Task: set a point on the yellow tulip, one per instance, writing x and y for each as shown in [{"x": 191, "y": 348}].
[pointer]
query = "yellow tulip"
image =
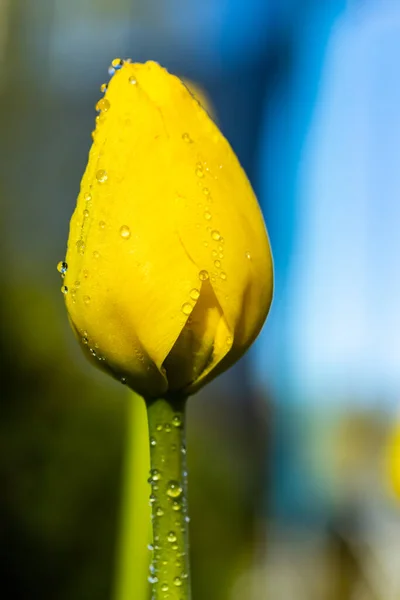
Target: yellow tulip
[{"x": 169, "y": 276}]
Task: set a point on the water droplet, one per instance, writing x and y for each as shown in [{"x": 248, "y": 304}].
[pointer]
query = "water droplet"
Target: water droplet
[
  {"x": 177, "y": 581},
  {"x": 229, "y": 340},
  {"x": 159, "y": 512},
  {"x": 155, "y": 474},
  {"x": 187, "y": 519},
  {"x": 215, "y": 235},
  {"x": 102, "y": 224},
  {"x": 203, "y": 275},
  {"x": 176, "y": 420},
  {"x": 125, "y": 232},
  {"x": 80, "y": 245},
  {"x": 85, "y": 273},
  {"x": 159, "y": 427},
  {"x": 152, "y": 579},
  {"x": 174, "y": 489},
  {"x": 62, "y": 267},
  {"x": 206, "y": 191},
  {"x": 96, "y": 254},
  {"x": 64, "y": 289},
  {"x": 221, "y": 255},
  {"x": 186, "y": 138},
  {"x": 205, "y": 243},
  {"x": 111, "y": 71},
  {"x": 167, "y": 427},
  {"x": 85, "y": 341},
  {"x": 86, "y": 299},
  {"x": 85, "y": 213},
  {"x": 248, "y": 255},
  {"x": 187, "y": 308},
  {"x": 152, "y": 498},
  {"x": 117, "y": 63},
  {"x": 101, "y": 176},
  {"x": 103, "y": 105},
  {"x": 87, "y": 196},
  {"x": 153, "y": 441},
  {"x": 199, "y": 170},
  {"x": 77, "y": 284},
  {"x": 164, "y": 587},
  {"x": 171, "y": 537},
  {"x": 150, "y": 547},
  {"x": 132, "y": 80},
  {"x": 223, "y": 275},
  {"x": 195, "y": 294},
  {"x": 214, "y": 253},
  {"x": 207, "y": 215},
  {"x": 103, "y": 87},
  {"x": 217, "y": 263}
]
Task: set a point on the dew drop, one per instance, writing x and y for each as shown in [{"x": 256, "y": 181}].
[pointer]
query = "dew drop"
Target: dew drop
[
  {"x": 86, "y": 299},
  {"x": 152, "y": 498},
  {"x": 85, "y": 340},
  {"x": 103, "y": 87},
  {"x": 186, "y": 138},
  {"x": 153, "y": 441},
  {"x": 117, "y": 63},
  {"x": 62, "y": 267},
  {"x": 85, "y": 273},
  {"x": 159, "y": 512},
  {"x": 64, "y": 289},
  {"x": 167, "y": 427},
  {"x": 214, "y": 253},
  {"x": 155, "y": 475},
  {"x": 187, "y": 308},
  {"x": 101, "y": 176},
  {"x": 87, "y": 196},
  {"x": 195, "y": 294},
  {"x": 125, "y": 232},
  {"x": 176, "y": 505},
  {"x": 152, "y": 579},
  {"x": 171, "y": 537},
  {"x": 80, "y": 245},
  {"x": 177, "y": 581},
  {"x": 248, "y": 255},
  {"x": 206, "y": 191},
  {"x": 123, "y": 380},
  {"x": 174, "y": 489},
  {"x": 203, "y": 275},
  {"x": 215, "y": 235},
  {"x": 217, "y": 263},
  {"x": 223, "y": 275},
  {"x": 164, "y": 587},
  {"x": 111, "y": 71},
  {"x": 96, "y": 254},
  {"x": 176, "y": 421},
  {"x": 199, "y": 170},
  {"x": 207, "y": 215},
  {"x": 85, "y": 213},
  {"x": 132, "y": 80},
  {"x": 77, "y": 284},
  {"x": 103, "y": 105},
  {"x": 102, "y": 224}
]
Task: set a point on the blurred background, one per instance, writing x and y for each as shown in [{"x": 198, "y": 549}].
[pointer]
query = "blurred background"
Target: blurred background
[{"x": 295, "y": 453}]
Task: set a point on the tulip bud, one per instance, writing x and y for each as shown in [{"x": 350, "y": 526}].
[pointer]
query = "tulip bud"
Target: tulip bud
[{"x": 169, "y": 271}]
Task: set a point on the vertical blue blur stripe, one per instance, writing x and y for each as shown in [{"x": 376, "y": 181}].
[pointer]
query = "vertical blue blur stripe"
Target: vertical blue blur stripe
[{"x": 289, "y": 109}]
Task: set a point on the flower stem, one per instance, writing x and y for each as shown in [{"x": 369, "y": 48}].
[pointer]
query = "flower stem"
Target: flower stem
[{"x": 170, "y": 576}]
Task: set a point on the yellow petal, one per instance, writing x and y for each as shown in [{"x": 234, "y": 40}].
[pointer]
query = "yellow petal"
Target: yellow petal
[{"x": 145, "y": 250}]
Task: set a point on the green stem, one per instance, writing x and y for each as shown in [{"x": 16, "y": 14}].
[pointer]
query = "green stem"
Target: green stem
[{"x": 169, "y": 570}]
